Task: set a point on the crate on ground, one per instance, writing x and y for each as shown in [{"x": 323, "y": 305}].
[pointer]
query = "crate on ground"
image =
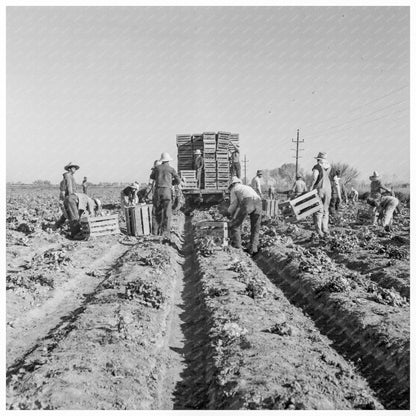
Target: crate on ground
[
  {"x": 139, "y": 219},
  {"x": 216, "y": 229},
  {"x": 99, "y": 226},
  {"x": 271, "y": 207},
  {"x": 365, "y": 214},
  {"x": 301, "y": 207}
]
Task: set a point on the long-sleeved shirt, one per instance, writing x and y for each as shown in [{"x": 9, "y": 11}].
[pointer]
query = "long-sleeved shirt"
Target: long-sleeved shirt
[
  {"x": 376, "y": 187},
  {"x": 256, "y": 184},
  {"x": 199, "y": 162},
  {"x": 165, "y": 176},
  {"x": 238, "y": 193},
  {"x": 70, "y": 185},
  {"x": 85, "y": 203}
]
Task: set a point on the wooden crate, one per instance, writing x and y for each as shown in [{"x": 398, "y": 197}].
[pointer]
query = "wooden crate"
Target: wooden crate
[
  {"x": 271, "y": 207},
  {"x": 139, "y": 219},
  {"x": 99, "y": 226},
  {"x": 216, "y": 229},
  {"x": 301, "y": 207}
]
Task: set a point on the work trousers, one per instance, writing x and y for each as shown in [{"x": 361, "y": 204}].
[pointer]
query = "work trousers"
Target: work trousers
[
  {"x": 198, "y": 177},
  {"x": 236, "y": 169},
  {"x": 334, "y": 205},
  {"x": 321, "y": 217},
  {"x": 164, "y": 211},
  {"x": 155, "y": 225},
  {"x": 253, "y": 208},
  {"x": 386, "y": 215},
  {"x": 71, "y": 207}
]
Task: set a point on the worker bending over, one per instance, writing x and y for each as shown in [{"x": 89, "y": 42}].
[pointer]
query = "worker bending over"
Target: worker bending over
[
  {"x": 79, "y": 204},
  {"x": 385, "y": 207},
  {"x": 164, "y": 176},
  {"x": 244, "y": 201},
  {"x": 128, "y": 196},
  {"x": 299, "y": 187}
]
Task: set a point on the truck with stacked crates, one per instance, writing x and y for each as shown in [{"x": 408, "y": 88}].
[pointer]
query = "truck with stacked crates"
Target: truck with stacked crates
[{"x": 216, "y": 148}]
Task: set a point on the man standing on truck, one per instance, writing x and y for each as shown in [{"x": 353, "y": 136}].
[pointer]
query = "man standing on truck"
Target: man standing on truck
[
  {"x": 164, "y": 176},
  {"x": 256, "y": 182},
  {"x": 198, "y": 165},
  {"x": 235, "y": 163},
  {"x": 244, "y": 201}
]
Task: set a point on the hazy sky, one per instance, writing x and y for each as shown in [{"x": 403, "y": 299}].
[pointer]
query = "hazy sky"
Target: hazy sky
[{"x": 110, "y": 87}]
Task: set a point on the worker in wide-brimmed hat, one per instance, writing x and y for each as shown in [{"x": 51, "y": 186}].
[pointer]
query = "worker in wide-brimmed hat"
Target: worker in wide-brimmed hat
[
  {"x": 198, "y": 166},
  {"x": 244, "y": 200},
  {"x": 322, "y": 183},
  {"x": 164, "y": 176},
  {"x": 70, "y": 185},
  {"x": 377, "y": 189},
  {"x": 128, "y": 196},
  {"x": 256, "y": 182},
  {"x": 77, "y": 205}
]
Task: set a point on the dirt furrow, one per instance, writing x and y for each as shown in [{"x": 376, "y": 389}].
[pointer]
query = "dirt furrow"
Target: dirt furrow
[
  {"x": 248, "y": 348},
  {"x": 373, "y": 335}
]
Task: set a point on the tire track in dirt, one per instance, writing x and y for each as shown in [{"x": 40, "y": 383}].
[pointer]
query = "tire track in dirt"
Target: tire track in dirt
[{"x": 55, "y": 317}]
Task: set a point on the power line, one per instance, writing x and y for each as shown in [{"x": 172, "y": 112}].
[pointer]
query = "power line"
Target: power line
[
  {"x": 366, "y": 122},
  {"x": 361, "y": 106},
  {"x": 357, "y": 118}
]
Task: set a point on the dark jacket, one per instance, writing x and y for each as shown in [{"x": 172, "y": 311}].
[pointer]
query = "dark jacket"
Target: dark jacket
[
  {"x": 70, "y": 185},
  {"x": 165, "y": 176}
]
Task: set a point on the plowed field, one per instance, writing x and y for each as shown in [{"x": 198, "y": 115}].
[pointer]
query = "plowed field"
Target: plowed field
[{"x": 121, "y": 322}]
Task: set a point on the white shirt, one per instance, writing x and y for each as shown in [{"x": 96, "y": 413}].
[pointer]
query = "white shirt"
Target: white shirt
[
  {"x": 256, "y": 184},
  {"x": 238, "y": 193}
]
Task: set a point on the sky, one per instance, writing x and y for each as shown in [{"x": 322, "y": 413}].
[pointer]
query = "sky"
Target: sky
[{"x": 109, "y": 88}]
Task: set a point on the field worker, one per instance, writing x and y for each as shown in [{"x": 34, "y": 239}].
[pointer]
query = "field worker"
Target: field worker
[
  {"x": 322, "y": 184},
  {"x": 385, "y": 207},
  {"x": 85, "y": 185},
  {"x": 299, "y": 187},
  {"x": 336, "y": 196},
  {"x": 77, "y": 205},
  {"x": 164, "y": 176},
  {"x": 70, "y": 185},
  {"x": 152, "y": 195},
  {"x": 244, "y": 201},
  {"x": 235, "y": 163},
  {"x": 354, "y": 195},
  {"x": 128, "y": 196},
  {"x": 256, "y": 182},
  {"x": 376, "y": 187},
  {"x": 198, "y": 165}
]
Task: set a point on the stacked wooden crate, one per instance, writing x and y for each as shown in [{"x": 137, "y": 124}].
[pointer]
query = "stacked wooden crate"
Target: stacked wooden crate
[
  {"x": 223, "y": 163},
  {"x": 189, "y": 177},
  {"x": 197, "y": 143},
  {"x": 234, "y": 142},
  {"x": 185, "y": 151},
  {"x": 210, "y": 169}
]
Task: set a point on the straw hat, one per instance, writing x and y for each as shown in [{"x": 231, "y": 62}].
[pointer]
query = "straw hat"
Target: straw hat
[
  {"x": 134, "y": 185},
  {"x": 375, "y": 175},
  {"x": 197, "y": 152},
  {"x": 165, "y": 157},
  {"x": 71, "y": 165},
  {"x": 234, "y": 180},
  {"x": 321, "y": 155}
]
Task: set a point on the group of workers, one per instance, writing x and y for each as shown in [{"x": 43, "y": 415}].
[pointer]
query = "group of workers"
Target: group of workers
[{"x": 164, "y": 190}]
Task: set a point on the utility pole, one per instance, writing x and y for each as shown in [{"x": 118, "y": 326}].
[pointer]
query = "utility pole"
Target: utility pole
[
  {"x": 245, "y": 169},
  {"x": 297, "y": 157}
]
